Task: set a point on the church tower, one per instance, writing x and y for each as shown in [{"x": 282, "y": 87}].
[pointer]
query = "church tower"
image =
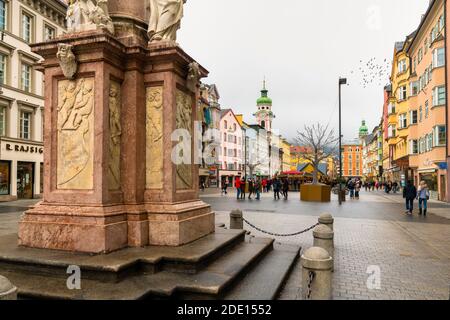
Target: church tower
[{"x": 264, "y": 116}]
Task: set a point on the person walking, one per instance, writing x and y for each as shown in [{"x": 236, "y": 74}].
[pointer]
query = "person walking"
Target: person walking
[
  {"x": 423, "y": 195},
  {"x": 357, "y": 189},
  {"x": 409, "y": 194},
  {"x": 285, "y": 188},
  {"x": 237, "y": 184},
  {"x": 224, "y": 186},
  {"x": 257, "y": 188},
  {"x": 351, "y": 188},
  {"x": 243, "y": 185},
  {"x": 251, "y": 189},
  {"x": 276, "y": 188},
  {"x": 264, "y": 185}
]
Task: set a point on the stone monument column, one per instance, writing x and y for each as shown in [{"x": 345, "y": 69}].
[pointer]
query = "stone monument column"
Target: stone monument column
[{"x": 112, "y": 102}]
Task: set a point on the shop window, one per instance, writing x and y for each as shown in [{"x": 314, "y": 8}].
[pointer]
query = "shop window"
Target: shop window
[{"x": 5, "y": 174}]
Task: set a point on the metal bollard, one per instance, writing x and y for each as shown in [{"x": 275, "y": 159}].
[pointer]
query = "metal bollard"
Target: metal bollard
[
  {"x": 236, "y": 220},
  {"x": 327, "y": 219},
  {"x": 324, "y": 238},
  {"x": 316, "y": 274},
  {"x": 7, "y": 290}
]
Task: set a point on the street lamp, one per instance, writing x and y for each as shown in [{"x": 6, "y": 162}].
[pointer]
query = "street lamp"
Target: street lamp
[{"x": 342, "y": 81}]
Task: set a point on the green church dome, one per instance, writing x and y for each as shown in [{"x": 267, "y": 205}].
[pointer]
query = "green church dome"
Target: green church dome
[
  {"x": 363, "y": 130},
  {"x": 264, "y": 100}
]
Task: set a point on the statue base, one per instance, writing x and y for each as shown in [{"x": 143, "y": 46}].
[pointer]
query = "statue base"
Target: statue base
[{"x": 154, "y": 201}]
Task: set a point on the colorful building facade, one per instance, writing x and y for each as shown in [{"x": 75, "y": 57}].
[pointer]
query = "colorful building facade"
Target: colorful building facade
[
  {"x": 428, "y": 102},
  {"x": 352, "y": 165}
]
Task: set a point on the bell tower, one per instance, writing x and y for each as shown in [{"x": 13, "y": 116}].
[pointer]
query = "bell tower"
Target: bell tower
[{"x": 264, "y": 115}]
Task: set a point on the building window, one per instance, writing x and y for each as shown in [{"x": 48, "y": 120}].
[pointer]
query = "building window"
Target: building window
[
  {"x": 26, "y": 77},
  {"x": 427, "y": 110},
  {"x": 49, "y": 33},
  {"x": 420, "y": 114},
  {"x": 3, "y": 15},
  {"x": 440, "y": 138},
  {"x": 402, "y": 66},
  {"x": 25, "y": 125},
  {"x": 27, "y": 27},
  {"x": 225, "y": 123},
  {"x": 413, "y": 117},
  {"x": 391, "y": 108},
  {"x": 439, "y": 96},
  {"x": 402, "y": 93},
  {"x": 3, "y": 68},
  {"x": 225, "y": 137},
  {"x": 5, "y": 173},
  {"x": 2, "y": 121},
  {"x": 438, "y": 57},
  {"x": 420, "y": 55},
  {"x": 414, "y": 88},
  {"x": 414, "y": 147},
  {"x": 403, "y": 122}
]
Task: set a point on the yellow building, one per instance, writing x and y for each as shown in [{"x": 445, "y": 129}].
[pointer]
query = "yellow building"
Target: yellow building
[
  {"x": 286, "y": 161},
  {"x": 398, "y": 130}
]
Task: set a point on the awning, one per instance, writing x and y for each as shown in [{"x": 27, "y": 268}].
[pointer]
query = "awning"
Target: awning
[{"x": 427, "y": 171}]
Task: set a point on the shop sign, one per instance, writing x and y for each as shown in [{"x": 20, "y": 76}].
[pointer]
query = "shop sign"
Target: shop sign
[
  {"x": 24, "y": 148},
  {"x": 443, "y": 165}
]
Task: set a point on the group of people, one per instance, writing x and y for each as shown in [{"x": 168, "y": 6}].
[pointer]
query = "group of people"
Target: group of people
[
  {"x": 422, "y": 194},
  {"x": 256, "y": 186},
  {"x": 387, "y": 186},
  {"x": 354, "y": 188}
]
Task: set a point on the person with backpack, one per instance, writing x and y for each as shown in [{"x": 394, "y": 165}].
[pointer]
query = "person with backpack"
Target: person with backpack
[
  {"x": 423, "y": 195},
  {"x": 409, "y": 194}
]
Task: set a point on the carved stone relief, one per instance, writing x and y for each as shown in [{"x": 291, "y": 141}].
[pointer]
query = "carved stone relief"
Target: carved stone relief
[
  {"x": 75, "y": 135},
  {"x": 154, "y": 143},
  {"x": 184, "y": 121},
  {"x": 115, "y": 128}
]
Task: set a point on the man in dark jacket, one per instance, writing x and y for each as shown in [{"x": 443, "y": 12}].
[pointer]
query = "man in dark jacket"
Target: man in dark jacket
[{"x": 409, "y": 194}]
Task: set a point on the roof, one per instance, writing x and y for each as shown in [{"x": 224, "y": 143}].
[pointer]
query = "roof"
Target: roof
[
  {"x": 323, "y": 167},
  {"x": 422, "y": 22}
]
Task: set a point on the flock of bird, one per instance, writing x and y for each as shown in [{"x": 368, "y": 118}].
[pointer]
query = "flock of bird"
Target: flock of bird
[{"x": 373, "y": 72}]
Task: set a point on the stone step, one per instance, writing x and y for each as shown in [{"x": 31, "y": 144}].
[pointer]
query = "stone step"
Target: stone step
[
  {"x": 209, "y": 283},
  {"x": 265, "y": 281},
  {"x": 118, "y": 265}
]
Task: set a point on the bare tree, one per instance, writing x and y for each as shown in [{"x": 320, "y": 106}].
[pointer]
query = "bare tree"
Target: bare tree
[
  {"x": 252, "y": 168},
  {"x": 320, "y": 141}
]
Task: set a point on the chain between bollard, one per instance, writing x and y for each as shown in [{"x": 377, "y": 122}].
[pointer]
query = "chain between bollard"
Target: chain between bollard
[
  {"x": 277, "y": 234},
  {"x": 311, "y": 278}
]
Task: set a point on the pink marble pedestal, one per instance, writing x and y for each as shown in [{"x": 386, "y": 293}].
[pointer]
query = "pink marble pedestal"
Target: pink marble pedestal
[{"x": 149, "y": 200}]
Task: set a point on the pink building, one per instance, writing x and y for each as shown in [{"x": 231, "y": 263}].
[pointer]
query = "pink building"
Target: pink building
[{"x": 232, "y": 153}]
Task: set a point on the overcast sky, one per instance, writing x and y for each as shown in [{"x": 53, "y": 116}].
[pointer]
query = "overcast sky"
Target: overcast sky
[{"x": 302, "y": 47}]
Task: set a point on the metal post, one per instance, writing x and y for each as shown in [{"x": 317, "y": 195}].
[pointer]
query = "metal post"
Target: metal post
[{"x": 341, "y": 82}]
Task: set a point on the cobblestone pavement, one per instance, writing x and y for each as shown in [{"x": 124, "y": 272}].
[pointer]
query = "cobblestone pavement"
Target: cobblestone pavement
[{"x": 412, "y": 252}]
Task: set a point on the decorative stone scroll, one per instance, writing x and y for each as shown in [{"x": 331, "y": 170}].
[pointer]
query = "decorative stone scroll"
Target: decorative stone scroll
[
  {"x": 115, "y": 129},
  {"x": 67, "y": 60},
  {"x": 154, "y": 140},
  {"x": 75, "y": 109},
  {"x": 193, "y": 76},
  {"x": 184, "y": 121}
]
